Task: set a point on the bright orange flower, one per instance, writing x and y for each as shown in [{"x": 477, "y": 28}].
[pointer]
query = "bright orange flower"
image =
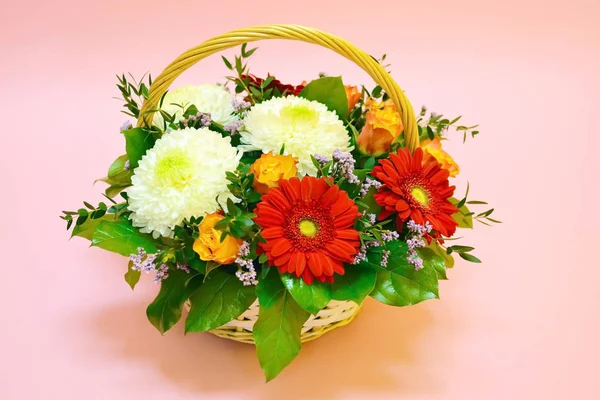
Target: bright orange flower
[
  {"x": 415, "y": 188},
  {"x": 308, "y": 225},
  {"x": 434, "y": 148},
  {"x": 209, "y": 245},
  {"x": 382, "y": 128},
  {"x": 353, "y": 95},
  {"x": 269, "y": 169}
]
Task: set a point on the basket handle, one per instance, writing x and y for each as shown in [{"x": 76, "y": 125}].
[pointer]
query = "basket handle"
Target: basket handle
[{"x": 292, "y": 32}]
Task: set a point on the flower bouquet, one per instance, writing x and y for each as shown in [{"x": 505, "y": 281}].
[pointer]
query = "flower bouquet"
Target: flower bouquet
[{"x": 273, "y": 210}]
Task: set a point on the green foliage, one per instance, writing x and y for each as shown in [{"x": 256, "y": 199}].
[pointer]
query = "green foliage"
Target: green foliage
[
  {"x": 399, "y": 284},
  {"x": 137, "y": 142},
  {"x": 463, "y": 252},
  {"x": 165, "y": 310},
  {"x": 132, "y": 276},
  {"x": 278, "y": 328},
  {"x": 220, "y": 299},
  {"x": 329, "y": 91},
  {"x": 438, "y": 262},
  {"x": 355, "y": 285},
  {"x": 87, "y": 228},
  {"x": 133, "y": 93},
  {"x": 464, "y": 217},
  {"x": 86, "y": 219},
  {"x": 313, "y": 298},
  {"x": 121, "y": 237},
  {"x": 438, "y": 125}
]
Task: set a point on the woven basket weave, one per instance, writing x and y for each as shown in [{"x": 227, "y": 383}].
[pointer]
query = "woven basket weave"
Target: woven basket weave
[{"x": 336, "y": 313}]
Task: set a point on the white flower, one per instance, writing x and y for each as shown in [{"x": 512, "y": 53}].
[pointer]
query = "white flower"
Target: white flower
[
  {"x": 209, "y": 98},
  {"x": 182, "y": 176},
  {"x": 302, "y": 127}
]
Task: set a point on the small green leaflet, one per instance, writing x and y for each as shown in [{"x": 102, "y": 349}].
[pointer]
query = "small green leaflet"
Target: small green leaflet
[
  {"x": 355, "y": 285},
  {"x": 399, "y": 284},
  {"x": 313, "y": 298},
  {"x": 165, "y": 310},
  {"x": 121, "y": 237},
  {"x": 220, "y": 299},
  {"x": 137, "y": 142},
  {"x": 329, "y": 91},
  {"x": 278, "y": 328}
]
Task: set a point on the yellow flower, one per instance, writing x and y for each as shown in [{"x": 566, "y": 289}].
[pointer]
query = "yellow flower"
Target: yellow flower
[
  {"x": 434, "y": 148},
  {"x": 382, "y": 128},
  {"x": 209, "y": 245},
  {"x": 269, "y": 169},
  {"x": 353, "y": 95}
]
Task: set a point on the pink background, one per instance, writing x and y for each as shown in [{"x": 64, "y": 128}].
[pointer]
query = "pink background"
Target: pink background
[{"x": 522, "y": 325}]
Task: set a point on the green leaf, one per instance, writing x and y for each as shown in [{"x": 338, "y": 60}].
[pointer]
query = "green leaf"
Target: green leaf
[
  {"x": 430, "y": 258},
  {"x": 399, "y": 284},
  {"x": 227, "y": 63},
  {"x": 137, "y": 142},
  {"x": 121, "y": 237},
  {"x": 463, "y": 216},
  {"x": 469, "y": 257},
  {"x": 220, "y": 299},
  {"x": 165, "y": 310},
  {"x": 86, "y": 230},
  {"x": 117, "y": 174},
  {"x": 132, "y": 276},
  {"x": 462, "y": 249},
  {"x": 355, "y": 285},
  {"x": 313, "y": 298},
  {"x": 278, "y": 328},
  {"x": 448, "y": 259},
  {"x": 329, "y": 91}
]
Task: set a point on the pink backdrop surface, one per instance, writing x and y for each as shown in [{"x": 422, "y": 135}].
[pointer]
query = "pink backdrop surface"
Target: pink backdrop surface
[{"x": 523, "y": 325}]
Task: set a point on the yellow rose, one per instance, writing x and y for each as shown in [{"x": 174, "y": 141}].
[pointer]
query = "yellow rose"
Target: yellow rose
[
  {"x": 209, "y": 245},
  {"x": 382, "y": 128},
  {"x": 353, "y": 95},
  {"x": 269, "y": 169},
  {"x": 434, "y": 148}
]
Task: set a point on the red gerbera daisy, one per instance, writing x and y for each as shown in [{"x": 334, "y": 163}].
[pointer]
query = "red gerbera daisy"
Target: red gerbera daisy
[
  {"x": 308, "y": 227},
  {"x": 283, "y": 88},
  {"x": 416, "y": 188}
]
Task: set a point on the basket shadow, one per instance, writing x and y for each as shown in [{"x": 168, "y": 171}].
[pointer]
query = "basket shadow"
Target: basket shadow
[{"x": 360, "y": 356}]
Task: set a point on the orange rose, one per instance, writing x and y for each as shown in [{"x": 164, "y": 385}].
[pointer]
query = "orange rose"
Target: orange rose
[
  {"x": 434, "y": 148},
  {"x": 382, "y": 128},
  {"x": 209, "y": 245},
  {"x": 270, "y": 168},
  {"x": 353, "y": 95}
]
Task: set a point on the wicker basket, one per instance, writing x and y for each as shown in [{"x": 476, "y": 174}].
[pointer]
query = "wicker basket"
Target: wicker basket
[{"x": 336, "y": 313}]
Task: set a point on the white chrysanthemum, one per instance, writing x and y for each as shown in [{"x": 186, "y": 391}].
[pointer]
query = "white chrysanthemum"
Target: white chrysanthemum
[
  {"x": 208, "y": 98},
  {"x": 302, "y": 127},
  {"x": 182, "y": 176}
]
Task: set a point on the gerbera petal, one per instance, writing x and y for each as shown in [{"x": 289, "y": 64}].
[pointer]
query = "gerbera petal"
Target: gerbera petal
[
  {"x": 417, "y": 160},
  {"x": 306, "y": 188},
  {"x": 325, "y": 262},
  {"x": 278, "y": 199},
  {"x": 288, "y": 189},
  {"x": 347, "y": 234},
  {"x": 338, "y": 268},
  {"x": 314, "y": 264},
  {"x": 401, "y": 205},
  {"x": 308, "y": 277},
  {"x": 330, "y": 195},
  {"x": 346, "y": 219},
  {"x": 272, "y": 232},
  {"x": 280, "y": 246},
  {"x": 342, "y": 203}
]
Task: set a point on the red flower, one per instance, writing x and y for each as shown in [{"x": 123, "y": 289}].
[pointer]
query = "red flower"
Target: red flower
[
  {"x": 416, "y": 188},
  {"x": 308, "y": 227},
  {"x": 274, "y": 84}
]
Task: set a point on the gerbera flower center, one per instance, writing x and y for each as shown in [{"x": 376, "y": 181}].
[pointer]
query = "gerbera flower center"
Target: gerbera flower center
[
  {"x": 308, "y": 228},
  {"x": 420, "y": 195}
]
